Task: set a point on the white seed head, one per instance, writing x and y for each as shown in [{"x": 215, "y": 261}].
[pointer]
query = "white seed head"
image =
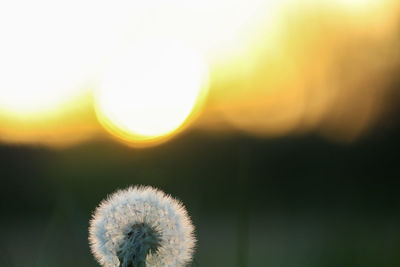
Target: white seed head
[{"x": 121, "y": 213}]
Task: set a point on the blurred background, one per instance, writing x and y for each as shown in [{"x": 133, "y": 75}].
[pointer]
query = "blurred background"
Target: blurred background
[{"x": 274, "y": 122}]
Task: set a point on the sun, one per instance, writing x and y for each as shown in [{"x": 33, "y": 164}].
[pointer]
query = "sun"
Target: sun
[{"x": 150, "y": 90}]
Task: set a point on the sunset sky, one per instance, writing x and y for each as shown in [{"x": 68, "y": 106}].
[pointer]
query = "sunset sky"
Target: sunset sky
[{"x": 143, "y": 72}]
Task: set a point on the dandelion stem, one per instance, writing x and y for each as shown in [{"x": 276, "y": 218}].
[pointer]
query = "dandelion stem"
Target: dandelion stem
[
  {"x": 140, "y": 241},
  {"x": 196, "y": 262}
]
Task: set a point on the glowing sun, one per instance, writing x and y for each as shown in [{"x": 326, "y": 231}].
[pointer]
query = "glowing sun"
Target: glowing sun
[{"x": 150, "y": 90}]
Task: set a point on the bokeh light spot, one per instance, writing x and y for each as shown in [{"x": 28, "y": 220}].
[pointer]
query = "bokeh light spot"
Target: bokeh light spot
[{"x": 150, "y": 89}]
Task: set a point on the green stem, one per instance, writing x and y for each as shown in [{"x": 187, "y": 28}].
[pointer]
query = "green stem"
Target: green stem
[
  {"x": 140, "y": 241},
  {"x": 196, "y": 262}
]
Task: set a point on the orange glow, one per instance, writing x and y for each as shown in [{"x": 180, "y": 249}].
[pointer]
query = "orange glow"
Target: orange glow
[
  {"x": 323, "y": 67},
  {"x": 272, "y": 68},
  {"x": 70, "y": 124}
]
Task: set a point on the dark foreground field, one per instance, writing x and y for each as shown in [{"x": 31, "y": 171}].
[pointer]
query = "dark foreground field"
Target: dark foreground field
[{"x": 291, "y": 202}]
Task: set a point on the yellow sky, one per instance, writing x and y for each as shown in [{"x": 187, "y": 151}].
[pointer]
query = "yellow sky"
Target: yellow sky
[{"x": 274, "y": 68}]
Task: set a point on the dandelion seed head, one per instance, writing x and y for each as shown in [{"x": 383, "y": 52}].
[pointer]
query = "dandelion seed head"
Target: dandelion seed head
[{"x": 141, "y": 215}]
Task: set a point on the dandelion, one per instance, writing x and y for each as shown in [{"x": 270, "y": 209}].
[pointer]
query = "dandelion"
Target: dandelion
[{"x": 141, "y": 226}]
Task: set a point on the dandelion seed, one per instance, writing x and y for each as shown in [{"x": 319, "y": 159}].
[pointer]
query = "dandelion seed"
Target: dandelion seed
[{"x": 141, "y": 226}]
